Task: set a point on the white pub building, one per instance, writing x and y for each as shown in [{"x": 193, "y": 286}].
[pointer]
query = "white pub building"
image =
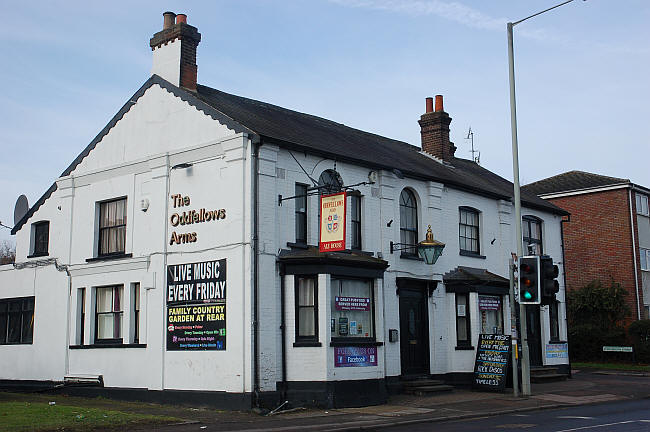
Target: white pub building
[{"x": 177, "y": 258}]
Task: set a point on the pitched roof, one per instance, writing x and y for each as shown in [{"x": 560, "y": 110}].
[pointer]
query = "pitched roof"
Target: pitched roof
[
  {"x": 314, "y": 134},
  {"x": 302, "y": 131},
  {"x": 572, "y": 181}
]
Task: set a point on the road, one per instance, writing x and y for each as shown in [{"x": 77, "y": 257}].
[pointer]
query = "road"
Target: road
[{"x": 628, "y": 416}]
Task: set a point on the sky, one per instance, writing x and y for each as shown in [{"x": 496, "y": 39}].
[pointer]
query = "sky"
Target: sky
[{"x": 581, "y": 75}]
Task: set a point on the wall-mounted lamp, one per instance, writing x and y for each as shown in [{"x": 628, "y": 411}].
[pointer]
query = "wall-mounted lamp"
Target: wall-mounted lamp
[{"x": 428, "y": 249}]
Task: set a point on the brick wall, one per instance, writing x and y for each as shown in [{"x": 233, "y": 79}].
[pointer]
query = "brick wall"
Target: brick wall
[{"x": 598, "y": 242}]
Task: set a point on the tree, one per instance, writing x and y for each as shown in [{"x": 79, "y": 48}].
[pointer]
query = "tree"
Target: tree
[
  {"x": 600, "y": 306},
  {"x": 7, "y": 252},
  {"x": 595, "y": 313}
]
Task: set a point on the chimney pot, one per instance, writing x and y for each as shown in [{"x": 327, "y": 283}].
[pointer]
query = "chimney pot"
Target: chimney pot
[
  {"x": 439, "y": 106},
  {"x": 434, "y": 130},
  {"x": 429, "y": 104},
  {"x": 168, "y": 20},
  {"x": 181, "y": 18}
]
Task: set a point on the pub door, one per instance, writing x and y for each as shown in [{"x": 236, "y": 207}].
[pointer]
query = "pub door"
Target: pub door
[
  {"x": 534, "y": 331},
  {"x": 414, "y": 331}
]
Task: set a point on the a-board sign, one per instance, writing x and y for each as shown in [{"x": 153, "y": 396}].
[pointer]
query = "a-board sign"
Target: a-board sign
[
  {"x": 196, "y": 306},
  {"x": 492, "y": 361}
]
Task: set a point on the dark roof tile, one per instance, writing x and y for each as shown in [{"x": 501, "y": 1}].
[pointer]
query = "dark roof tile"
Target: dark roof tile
[
  {"x": 571, "y": 181},
  {"x": 303, "y": 131}
]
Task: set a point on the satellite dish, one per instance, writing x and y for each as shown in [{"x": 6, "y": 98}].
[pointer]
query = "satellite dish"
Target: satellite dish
[{"x": 21, "y": 208}]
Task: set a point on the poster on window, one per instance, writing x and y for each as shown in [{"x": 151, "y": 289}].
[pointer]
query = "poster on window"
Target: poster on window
[
  {"x": 486, "y": 303},
  {"x": 196, "y": 306},
  {"x": 332, "y": 222},
  {"x": 352, "y": 303},
  {"x": 355, "y": 356}
]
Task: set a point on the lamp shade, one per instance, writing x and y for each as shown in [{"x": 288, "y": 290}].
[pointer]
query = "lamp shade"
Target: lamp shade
[{"x": 429, "y": 249}]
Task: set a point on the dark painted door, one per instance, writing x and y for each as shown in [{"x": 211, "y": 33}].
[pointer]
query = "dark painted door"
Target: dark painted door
[
  {"x": 414, "y": 331},
  {"x": 533, "y": 328}
]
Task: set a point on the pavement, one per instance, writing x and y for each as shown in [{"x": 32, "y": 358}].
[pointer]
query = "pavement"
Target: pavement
[{"x": 586, "y": 387}]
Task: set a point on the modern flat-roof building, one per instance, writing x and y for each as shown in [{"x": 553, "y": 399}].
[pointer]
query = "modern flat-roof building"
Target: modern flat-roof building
[{"x": 607, "y": 236}]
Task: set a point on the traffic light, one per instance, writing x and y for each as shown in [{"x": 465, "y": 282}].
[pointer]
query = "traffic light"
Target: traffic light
[
  {"x": 529, "y": 280},
  {"x": 548, "y": 282}
]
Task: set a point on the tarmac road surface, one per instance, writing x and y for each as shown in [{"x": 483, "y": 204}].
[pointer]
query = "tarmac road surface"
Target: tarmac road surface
[{"x": 628, "y": 416}]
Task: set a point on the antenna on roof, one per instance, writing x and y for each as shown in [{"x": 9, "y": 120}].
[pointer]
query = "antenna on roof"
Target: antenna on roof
[{"x": 476, "y": 155}]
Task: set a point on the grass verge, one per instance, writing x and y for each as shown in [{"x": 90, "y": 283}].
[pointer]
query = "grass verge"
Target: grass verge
[
  {"x": 612, "y": 366},
  {"x": 41, "y": 416}
]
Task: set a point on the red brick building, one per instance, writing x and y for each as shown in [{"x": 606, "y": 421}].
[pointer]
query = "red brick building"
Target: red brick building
[{"x": 607, "y": 235}]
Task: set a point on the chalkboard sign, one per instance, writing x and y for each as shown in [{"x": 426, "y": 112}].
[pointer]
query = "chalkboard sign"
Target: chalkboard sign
[{"x": 492, "y": 361}]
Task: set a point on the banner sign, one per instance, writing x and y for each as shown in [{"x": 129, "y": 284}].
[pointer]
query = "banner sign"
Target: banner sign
[
  {"x": 492, "y": 360},
  {"x": 560, "y": 350},
  {"x": 332, "y": 222},
  {"x": 489, "y": 303},
  {"x": 196, "y": 306},
  {"x": 352, "y": 303},
  {"x": 355, "y": 356}
]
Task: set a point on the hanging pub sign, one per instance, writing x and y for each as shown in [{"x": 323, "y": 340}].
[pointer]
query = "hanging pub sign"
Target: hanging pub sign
[
  {"x": 332, "y": 222},
  {"x": 196, "y": 306}
]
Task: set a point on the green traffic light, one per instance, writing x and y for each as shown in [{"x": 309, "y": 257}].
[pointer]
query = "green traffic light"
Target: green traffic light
[{"x": 528, "y": 295}]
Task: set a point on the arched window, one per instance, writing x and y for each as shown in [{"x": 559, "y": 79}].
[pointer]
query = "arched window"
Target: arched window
[
  {"x": 408, "y": 220},
  {"x": 531, "y": 229},
  {"x": 330, "y": 182}
]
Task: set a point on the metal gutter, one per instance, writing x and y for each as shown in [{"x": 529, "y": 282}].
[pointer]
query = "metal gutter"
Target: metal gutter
[{"x": 636, "y": 274}]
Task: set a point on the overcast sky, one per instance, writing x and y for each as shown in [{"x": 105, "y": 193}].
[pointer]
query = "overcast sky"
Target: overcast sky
[{"x": 582, "y": 71}]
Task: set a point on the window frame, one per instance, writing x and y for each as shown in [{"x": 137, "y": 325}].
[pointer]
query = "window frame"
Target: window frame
[
  {"x": 101, "y": 229},
  {"x": 355, "y": 204},
  {"x": 301, "y": 194},
  {"x": 136, "y": 306},
  {"x": 37, "y": 249},
  {"x": 115, "y": 313},
  {"x": 352, "y": 340},
  {"x": 407, "y": 231},
  {"x": 642, "y": 205},
  {"x": 81, "y": 306},
  {"x": 500, "y": 312},
  {"x": 25, "y": 308},
  {"x": 306, "y": 340},
  {"x": 477, "y": 227},
  {"x": 463, "y": 343},
  {"x": 528, "y": 221},
  {"x": 644, "y": 258}
]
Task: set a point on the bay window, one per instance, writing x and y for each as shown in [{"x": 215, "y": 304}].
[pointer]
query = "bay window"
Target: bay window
[
  {"x": 306, "y": 299},
  {"x": 108, "y": 314},
  {"x": 352, "y": 308}
]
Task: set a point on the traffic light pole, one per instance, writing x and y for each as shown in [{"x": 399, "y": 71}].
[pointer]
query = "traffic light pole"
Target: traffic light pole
[
  {"x": 523, "y": 333},
  {"x": 513, "y": 322}
]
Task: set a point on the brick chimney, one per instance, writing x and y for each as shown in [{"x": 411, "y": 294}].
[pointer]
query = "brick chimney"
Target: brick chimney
[
  {"x": 434, "y": 129},
  {"x": 174, "y": 51}
]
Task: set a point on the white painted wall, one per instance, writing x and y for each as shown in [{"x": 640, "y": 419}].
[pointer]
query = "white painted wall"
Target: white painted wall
[
  {"x": 134, "y": 160},
  {"x": 45, "y": 358},
  {"x": 167, "y": 60}
]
